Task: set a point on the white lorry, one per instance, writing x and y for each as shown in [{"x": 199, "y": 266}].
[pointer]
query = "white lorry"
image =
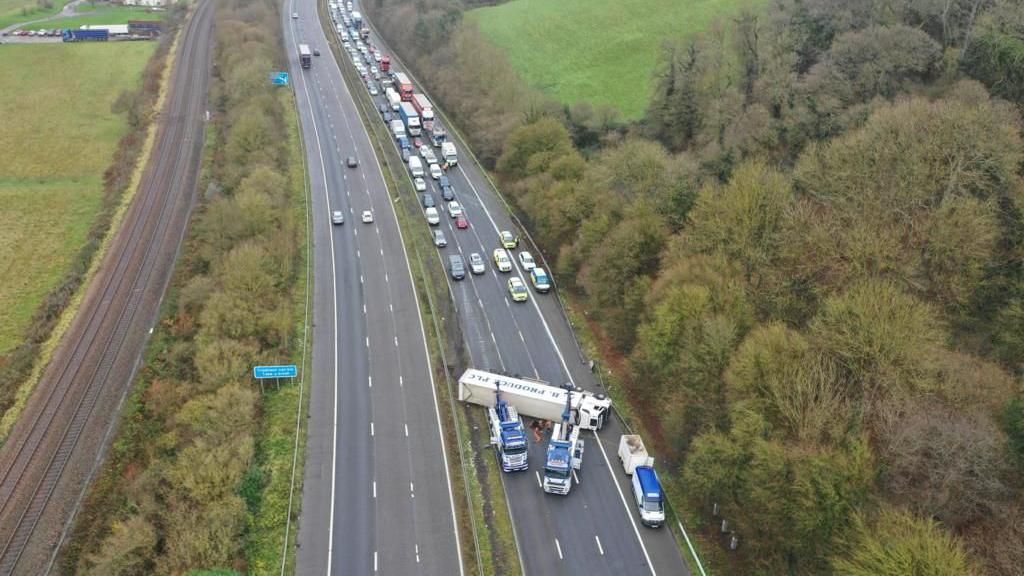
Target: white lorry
[
  {"x": 647, "y": 493},
  {"x": 393, "y": 99},
  {"x": 535, "y": 398},
  {"x": 451, "y": 158}
]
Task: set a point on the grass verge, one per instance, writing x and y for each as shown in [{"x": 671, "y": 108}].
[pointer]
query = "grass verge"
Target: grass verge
[
  {"x": 113, "y": 15},
  {"x": 14, "y": 11},
  {"x": 276, "y": 441},
  {"x": 484, "y": 522},
  {"x": 55, "y": 308},
  {"x": 601, "y": 51}
]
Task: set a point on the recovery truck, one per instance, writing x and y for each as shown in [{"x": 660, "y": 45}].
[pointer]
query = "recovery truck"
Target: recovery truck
[
  {"x": 565, "y": 454},
  {"x": 647, "y": 493},
  {"x": 536, "y": 399},
  {"x": 507, "y": 434}
]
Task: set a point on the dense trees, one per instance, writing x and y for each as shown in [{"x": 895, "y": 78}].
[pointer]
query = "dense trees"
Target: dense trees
[{"x": 815, "y": 279}]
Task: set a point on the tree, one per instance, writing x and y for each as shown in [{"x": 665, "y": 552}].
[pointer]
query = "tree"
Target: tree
[
  {"x": 127, "y": 551},
  {"x": 884, "y": 339},
  {"x": 532, "y": 148},
  {"x": 944, "y": 463},
  {"x": 896, "y": 543},
  {"x": 742, "y": 220},
  {"x": 674, "y": 114},
  {"x": 995, "y": 55},
  {"x": 1013, "y": 426}
]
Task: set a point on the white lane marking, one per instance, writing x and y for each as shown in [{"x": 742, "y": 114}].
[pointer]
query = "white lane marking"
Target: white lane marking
[
  {"x": 401, "y": 381},
  {"x": 367, "y": 341},
  {"x": 334, "y": 320},
  {"x": 364, "y": 309},
  {"x": 575, "y": 477},
  {"x": 430, "y": 369},
  {"x": 371, "y": 428},
  {"x": 369, "y": 381},
  {"x": 629, "y": 511},
  {"x": 360, "y": 278},
  {"x": 599, "y": 547},
  {"x": 406, "y": 430},
  {"x": 412, "y": 491},
  {"x": 386, "y": 277},
  {"x": 374, "y": 560},
  {"x": 358, "y": 254},
  {"x": 521, "y": 336},
  {"x": 417, "y": 553},
  {"x": 539, "y": 483},
  {"x": 559, "y": 548},
  {"x": 396, "y": 341},
  {"x": 375, "y": 489}
]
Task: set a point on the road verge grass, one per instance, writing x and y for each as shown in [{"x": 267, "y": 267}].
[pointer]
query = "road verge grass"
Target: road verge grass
[{"x": 484, "y": 522}]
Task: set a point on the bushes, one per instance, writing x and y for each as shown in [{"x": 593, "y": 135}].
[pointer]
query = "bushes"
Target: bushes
[{"x": 191, "y": 481}]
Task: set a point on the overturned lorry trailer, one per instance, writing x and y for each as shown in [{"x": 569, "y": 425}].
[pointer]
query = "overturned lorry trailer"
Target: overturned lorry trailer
[{"x": 535, "y": 398}]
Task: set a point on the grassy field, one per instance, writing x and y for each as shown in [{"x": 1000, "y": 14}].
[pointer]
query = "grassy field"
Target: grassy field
[
  {"x": 57, "y": 137},
  {"x": 602, "y": 51},
  {"x": 14, "y": 11},
  {"x": 115, "y": 15}
]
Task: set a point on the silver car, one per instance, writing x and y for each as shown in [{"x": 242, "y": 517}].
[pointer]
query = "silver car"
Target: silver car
[
  {"x": 476, "y": 263},
  {"x": 439, "y": 239}
]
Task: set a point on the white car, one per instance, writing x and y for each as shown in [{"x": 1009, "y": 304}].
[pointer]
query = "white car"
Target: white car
[
  {"x": 376, "y": 56},
  {"x": 367, "y": 217},
  {"x": 433, "y": 218},
  {"x": 526, "y": 261},
  {"x": 424, "y": 149},
  {"x": 337, "y": 217},
  {"x": 476, "y": 263},
  {"x": 501, "y": 260},
  {"x": 346, "y": 45},
  {"x": 431, "y": 158},
  {"x": 420, "y": 185},
  {"x": 436, "y": 172},
  {"x": 295, "y": 15},
  {"x": 454, "y": 208},
  {"x": 373, "y": 89},
  {"x": 373, "y": 70}
]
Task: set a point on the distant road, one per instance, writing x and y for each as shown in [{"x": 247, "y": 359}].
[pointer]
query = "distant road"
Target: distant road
[{"x": 58, "y": 442}]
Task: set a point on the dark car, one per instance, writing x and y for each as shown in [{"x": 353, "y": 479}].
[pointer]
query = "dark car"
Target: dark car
[
  {"x": 456, "y": 267},
  {"x": 444, "y": 182},
  {"x": 427, "y": 200},
  {"x": 382, "y": 108},
  {"x": 316, "y": 51},
  {"x": 448, "y": 193},
  {"x": 405, "y": 155},
  {"x": 387, "y": 117},
  {"x": 352, "y": 162}
]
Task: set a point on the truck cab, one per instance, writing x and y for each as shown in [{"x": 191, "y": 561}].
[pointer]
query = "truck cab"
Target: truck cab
[{"x": 508, "y": 437}]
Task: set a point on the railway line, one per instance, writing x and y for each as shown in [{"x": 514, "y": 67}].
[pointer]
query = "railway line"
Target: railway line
[{"x": 60, "y": 439}]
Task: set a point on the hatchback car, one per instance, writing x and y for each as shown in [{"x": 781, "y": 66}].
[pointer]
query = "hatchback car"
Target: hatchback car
[
  {"x": 517, "y": 289},
  {"x": 436, "y": 172},
  {"x": 420, "y": 184},
  {"x": 367, "y": 217},
  {"x": 433, "y": 218},
  {"x": 526, "y": 261},
  {"x": 423, "y": 149},
  {"x": 316, "y": 51},
  {"x": 461, "y": 222},
  {"x": 448, "y": 193},
  {"x": 439, "y": 239},
  {"x": 456, "y": 267},
  {"x": 539, "y": 279},
  {"x": 454, "y": 209},
  {"x": 337, "y": 217},
  {"x": 476, "y": 263},
  {"x": 351, "y": 162},
  {"x": 507, "y": 239},
  {"x": 295, "y": 15},
  {"x": 501, "y": 260}
]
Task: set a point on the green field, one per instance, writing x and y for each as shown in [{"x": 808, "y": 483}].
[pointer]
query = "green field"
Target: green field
[
  {"x": 57, "y": 137},
  {"x": 14, "y": 11},
  {"x": 116, "y": 15},
  {"x": 603, "y": 51}
]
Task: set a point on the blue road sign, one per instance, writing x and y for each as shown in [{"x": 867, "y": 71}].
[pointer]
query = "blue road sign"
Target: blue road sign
[
  {"x": 283, "y": 371},
  {"x": 279, "y": 78}
]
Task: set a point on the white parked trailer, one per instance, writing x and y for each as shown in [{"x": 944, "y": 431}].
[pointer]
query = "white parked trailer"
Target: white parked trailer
[
  {"x": 535, "y": 398},
  {"x": 632, "y": 453}
]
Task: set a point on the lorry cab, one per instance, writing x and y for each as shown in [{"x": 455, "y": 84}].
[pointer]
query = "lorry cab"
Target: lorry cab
[{"x": 649, "y": 498}]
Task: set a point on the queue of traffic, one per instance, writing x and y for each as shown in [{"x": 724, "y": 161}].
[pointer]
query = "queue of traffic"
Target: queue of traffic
[{"x": 416, "y": 132}]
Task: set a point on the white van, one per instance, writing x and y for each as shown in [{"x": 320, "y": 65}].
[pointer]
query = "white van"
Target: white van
[
  {"x": 397, "y": 128},
  {"x": 416, "y": 167}
]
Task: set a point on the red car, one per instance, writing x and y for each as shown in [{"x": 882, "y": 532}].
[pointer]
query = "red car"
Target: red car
[
  {"x": 416, "y": 143},
  {"x": 461, "y": 223}
]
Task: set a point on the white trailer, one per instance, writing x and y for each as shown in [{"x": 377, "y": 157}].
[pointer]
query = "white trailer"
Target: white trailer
[
  {"x": 535, "y": 398},
  {"x": 632, "y": 453},
  {"x": 393, "y": 99}
]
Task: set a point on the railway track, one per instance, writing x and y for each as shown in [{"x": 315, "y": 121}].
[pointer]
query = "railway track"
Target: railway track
[{"x": 99, "y": 354}]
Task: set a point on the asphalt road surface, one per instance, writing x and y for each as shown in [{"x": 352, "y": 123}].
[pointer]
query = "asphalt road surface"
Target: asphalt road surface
[
  {"x": 377, "y": 495},
  {"x": 59, "y": 440},
  {"x": 596, "y": 529}
]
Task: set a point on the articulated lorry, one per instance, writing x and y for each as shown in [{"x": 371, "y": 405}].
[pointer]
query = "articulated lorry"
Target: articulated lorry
[
  {"x": 425, "y": 110},
  {"x": 305, "y": 56},
  {"x": 535, "y": 398},
  {"x": 403, "y": 85},
  {"x": 507, "y": 434},
  {"x": 647, "y": 493},
  {"x": 410, "y": 118},
  {"x": 438, "y": 135},
  {"x": 451, "y": 158}
]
